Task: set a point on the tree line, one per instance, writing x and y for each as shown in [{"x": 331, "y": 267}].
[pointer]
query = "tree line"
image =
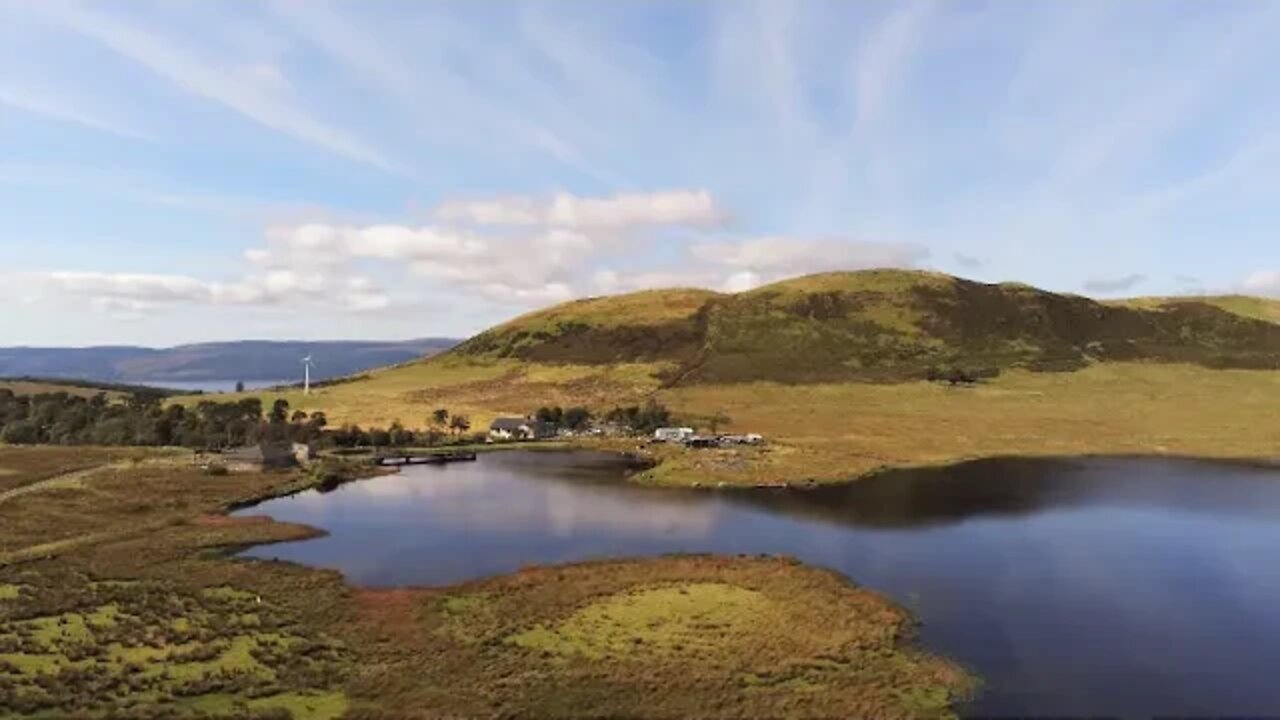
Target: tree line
[{"x": 143, "y": 419}]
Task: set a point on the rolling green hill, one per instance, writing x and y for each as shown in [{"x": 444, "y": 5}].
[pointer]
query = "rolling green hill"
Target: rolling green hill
[
  {"x": 829, "y": 369},
  {"x": 1243, "y": 305},
  {"x": 879, "y": 325}
]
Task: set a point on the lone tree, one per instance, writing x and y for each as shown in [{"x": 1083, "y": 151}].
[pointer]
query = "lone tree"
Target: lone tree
[
  {"x": 239, "y": 386},
  {"x": 440, "y": 417},
  {"x": 552, "y": 415},
  {"x": 576, "y": 418},
  {"x": 398, "y": 436},
  {"x": 717, "y": 420},
  {"x": 279, "y": 411},
  {"x": 459, "y": 424}
]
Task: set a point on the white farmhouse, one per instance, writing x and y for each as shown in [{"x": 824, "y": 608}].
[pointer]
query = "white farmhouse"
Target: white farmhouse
[
  {"x": 673, "y": 434},
  {"x": 520, "y": 429}
]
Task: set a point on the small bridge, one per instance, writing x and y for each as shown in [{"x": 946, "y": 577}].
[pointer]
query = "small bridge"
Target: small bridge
[{"x": 428, "y": 459}]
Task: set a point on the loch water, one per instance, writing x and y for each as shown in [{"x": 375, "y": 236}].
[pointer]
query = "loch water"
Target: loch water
[{"x": 1102, "y": 587}]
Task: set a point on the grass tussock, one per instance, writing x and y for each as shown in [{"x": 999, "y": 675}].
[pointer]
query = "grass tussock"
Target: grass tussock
[
  {"x": 73, "y": 647},
  {"x": 657, "y": 622},
  {"x": 116, "y": 599}
]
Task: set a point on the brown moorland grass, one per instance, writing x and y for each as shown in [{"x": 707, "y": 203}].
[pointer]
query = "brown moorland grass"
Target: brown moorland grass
[
  {"x": 479, "y": 389},
  {"x": 678, "y": 636},
  {"x": 36, "y": 387},
  {"x": 24, "y": 465},
  {"x": 118, "y": 600},
  {"x": 832, "y": 432},
  {"x": 117, "y": 595}
]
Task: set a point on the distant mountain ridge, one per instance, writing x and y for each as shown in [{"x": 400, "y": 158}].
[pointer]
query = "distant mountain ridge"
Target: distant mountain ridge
[
  {"x": 880, "y": 325},
  {"x": 247, "y": 360}
]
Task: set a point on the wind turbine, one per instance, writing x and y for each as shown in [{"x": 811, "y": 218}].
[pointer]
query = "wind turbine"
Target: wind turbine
[{"x": 307, "y": 364}]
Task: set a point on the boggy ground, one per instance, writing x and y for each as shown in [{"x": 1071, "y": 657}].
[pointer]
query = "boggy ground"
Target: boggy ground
[
  {"x": 119, "y": 598},
  {"x": 681, "y": 636}
]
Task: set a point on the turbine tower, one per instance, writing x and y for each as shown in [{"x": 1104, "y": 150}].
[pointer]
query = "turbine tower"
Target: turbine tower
[{"x": 307, "y": 364}]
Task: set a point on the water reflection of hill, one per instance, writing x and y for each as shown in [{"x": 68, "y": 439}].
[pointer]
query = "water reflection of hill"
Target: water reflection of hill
[{"x": 1007, "y": 487}]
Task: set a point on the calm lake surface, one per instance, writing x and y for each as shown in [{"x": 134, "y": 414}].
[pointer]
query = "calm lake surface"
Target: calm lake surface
[{"x": 1118, "y": 587}]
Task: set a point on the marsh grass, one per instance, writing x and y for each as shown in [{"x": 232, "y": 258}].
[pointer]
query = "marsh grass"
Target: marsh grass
[
  {"x": 25, "y": 465},
  {"x": 75, "y": 647},
  {"x": 116, "y": 599},
  {"x": 690, "y": 618},
  {"x": 673, "y": 636},
  {"x": 119, "y": 599}
]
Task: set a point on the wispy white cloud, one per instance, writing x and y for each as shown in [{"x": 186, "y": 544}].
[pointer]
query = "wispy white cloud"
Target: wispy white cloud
[
  {"x": 513, "y": 252},
  {"x": 138, "y": 292},
  {"x": 773, "y": 257},
  {"x": 123, "y": 184},
  {"x": 693, "y": 208},
  {"x": 1114, "y": 284},
  {"x": 1051, "y": 143},
  {"x": 41, "y": 101},
  {"x": 417, "y": 72},
  {"x": 1265, "y": 282},
  {"x": 881, "y": 62},
  {"x": 256, "y": 90}
]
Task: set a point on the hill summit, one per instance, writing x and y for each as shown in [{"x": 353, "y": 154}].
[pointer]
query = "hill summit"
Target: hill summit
[{"x": 875, "y": 325}]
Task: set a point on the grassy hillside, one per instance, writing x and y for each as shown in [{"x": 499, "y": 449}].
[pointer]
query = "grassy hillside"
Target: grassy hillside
[
  {"x": 82, "y": 388},
  {"x": 799, "y": 361},
  {"x": 879, "y": 325},
  {"x": 1255, "y": 308},
  {"x": 654, "y": 325}
]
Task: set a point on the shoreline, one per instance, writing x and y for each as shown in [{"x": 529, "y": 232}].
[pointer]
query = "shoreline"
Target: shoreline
[
  {"x": 677, "y": 477},
  {"x": 411, "y": 611}
]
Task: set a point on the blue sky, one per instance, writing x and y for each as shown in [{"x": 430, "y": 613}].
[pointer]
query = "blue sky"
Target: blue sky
[{"x": 180, "y": 171}]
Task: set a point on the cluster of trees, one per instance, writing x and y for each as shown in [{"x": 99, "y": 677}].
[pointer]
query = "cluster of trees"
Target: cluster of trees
[
  {"x": 643, "y": 419},
  {"x": 442, "y": 428},
  {"x": 143, "y": 419},
  {"x": 574, "y": 418}
]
